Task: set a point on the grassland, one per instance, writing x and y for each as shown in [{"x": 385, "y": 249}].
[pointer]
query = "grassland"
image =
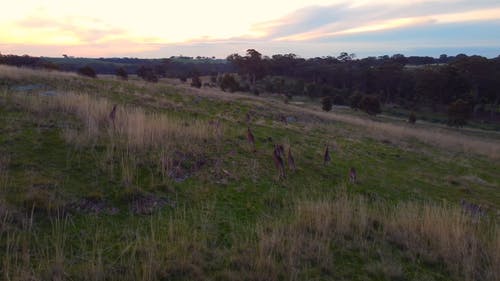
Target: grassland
[{"x": 169, "y": 189}]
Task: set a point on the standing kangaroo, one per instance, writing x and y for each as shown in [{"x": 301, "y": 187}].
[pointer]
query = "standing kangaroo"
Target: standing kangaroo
[
  {"x": 326, "y": 157},
  {"x": 112, "y": 115},
  {"x": 251, "y": 138},
  {"x": 352, "y": 175},
  {"x": 278, "y": 161}
]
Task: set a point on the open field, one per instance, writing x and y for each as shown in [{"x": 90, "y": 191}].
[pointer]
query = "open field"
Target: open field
[{"x": 168, "y": 188}]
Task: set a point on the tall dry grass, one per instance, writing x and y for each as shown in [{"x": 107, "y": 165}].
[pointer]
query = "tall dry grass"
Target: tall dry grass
[
  {"x": 18, "y": 73},
  {"x": 132, "y": 126},
  {"x": 431, "y": 135},
  {"x": 435, "y": 233}
]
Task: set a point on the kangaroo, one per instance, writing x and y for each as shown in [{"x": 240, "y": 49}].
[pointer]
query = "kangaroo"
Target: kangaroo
[
  {"x": 278, "y": 162},
  {"x": 112, "y": 116},
  {"x": 291, "y": 161},
  {"x": 352, "y": 175},
  {"x": 251, "y": 138},
  {"x": 326, "y": 157}
]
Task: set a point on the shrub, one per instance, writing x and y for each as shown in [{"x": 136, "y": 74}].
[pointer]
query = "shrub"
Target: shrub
[
  {"x": 355, "y": 100},
  {"x": 228, "y": 82},
  {"x": 370, "y": 105},
  {"x": 412, "y": 118},
  {"x": 183, "y": 79},
  {"x": 459, "y": 112},
  {"x": 326, "y": 104},
  {"x": 147, "y": 74},
  {"x": 122, "y": 73},
  {"x": 196, "y": 82},
  {"x": 87, "y": 71}
]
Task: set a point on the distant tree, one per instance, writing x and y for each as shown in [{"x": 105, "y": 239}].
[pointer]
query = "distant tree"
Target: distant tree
[
  {"x": 196, "y": 82},
  {"x": 355, "y": 100},
  {"x": 312, "y": 90},
  {"x": 370, "y": 105},
  {"x": 228, "y": 82},
  {"x": 459, "y": 112},
  {"x": 49, "y": 65},
  {"x": 412, "y": 118},
  {"x": 338, "y": 100},
  {"x": 121, "y": 73},
  {"x": 147, "y": 74},
  {"x": 87, "y": 71},
  {"x": 344, "y": 57},
  {"x": 183, "y": 79},
  {"x": 326, "y": 104}
]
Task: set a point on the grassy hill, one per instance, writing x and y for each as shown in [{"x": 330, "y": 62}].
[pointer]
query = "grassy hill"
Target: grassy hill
[{"x": 168, "y": 188}]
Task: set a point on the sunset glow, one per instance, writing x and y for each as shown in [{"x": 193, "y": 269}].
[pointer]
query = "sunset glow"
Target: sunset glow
[{"x": 164, "y": 28}]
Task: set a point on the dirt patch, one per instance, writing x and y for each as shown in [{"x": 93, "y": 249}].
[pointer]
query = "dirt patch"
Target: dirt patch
[
  {"x": 180, "y": 166},
  {"x": 90, "y": 206},
  {"x": 146, "y": 204}
]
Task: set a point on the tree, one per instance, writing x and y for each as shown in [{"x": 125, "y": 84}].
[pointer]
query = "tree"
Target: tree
[
  {"x": 459, "y": 112},
  {"x": 196, "y": 82},
  {"x": 326, "y": 104},
  {"x": 87, "y": 71},
  {"x": 370, "y": 105},
  {"x": 122, "y": 73}
]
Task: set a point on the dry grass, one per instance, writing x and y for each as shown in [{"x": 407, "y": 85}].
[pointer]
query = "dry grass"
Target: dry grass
[
  {"x": 18, "y": 73},
  {"x": 436, "y": 233},
  {"x": 132, "y": 127},
  {"x": 432, "y": 135}
]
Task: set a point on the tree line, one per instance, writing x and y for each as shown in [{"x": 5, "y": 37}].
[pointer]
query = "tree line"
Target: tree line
[
  {"x": 472, "y": 83},
  {"x": 463, "y": 86}
]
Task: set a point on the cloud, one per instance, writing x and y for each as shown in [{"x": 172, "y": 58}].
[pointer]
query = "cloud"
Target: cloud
[
  {"x": 318, "y": 22},
  {"x": 77, "y": 30},
  {"x": 365, "y": 27}
]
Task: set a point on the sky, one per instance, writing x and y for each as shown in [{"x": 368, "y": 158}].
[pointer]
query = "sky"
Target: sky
[{"x": 312, "y": 28}]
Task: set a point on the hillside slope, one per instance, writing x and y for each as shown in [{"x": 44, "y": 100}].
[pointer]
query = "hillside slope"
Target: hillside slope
[{"x": 168, "y": 187}]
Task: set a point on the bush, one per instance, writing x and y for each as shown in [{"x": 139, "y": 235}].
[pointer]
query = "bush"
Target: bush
[
  {"x": 326, "y": 104},
  {"x": 87, "y": 71},
  {"x": 196, "y": 82},
  {"x": 458, "y": 113},
  {"x": 147, "y": 74},
  {"x": 122, "y": 73},
  {"x": 183, "y": 79},
  {"x": 355, "y": 100},
  {"x": 370, "y": 105},
  {"x": 228, "y": 82},
  {"x": 412, "y": 118}
]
